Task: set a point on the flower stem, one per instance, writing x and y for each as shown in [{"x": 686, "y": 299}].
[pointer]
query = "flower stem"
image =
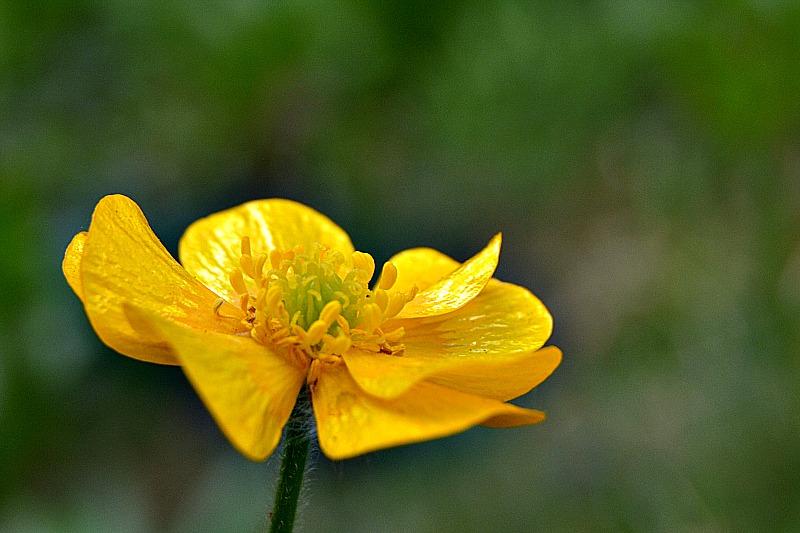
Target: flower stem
[{"x": 293, "y": 465}]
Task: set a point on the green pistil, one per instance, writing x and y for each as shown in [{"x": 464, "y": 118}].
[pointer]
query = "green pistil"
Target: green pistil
[{"x": 311, "y": 285}]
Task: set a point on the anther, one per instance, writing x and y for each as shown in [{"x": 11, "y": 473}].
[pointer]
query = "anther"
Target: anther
[
  {"x": 372, "y": 317},
  {"x": 341, "y": 344},
  {"x": 237, "y": 282},
  {"x": 274, "y": 296},
  {"x": 246, "y": 246},
  {"x": 246, "y": 262},
  {"x": 365, "y": 263},
  {"x": 302, "y": 300},
  {"x": 344, "y": 324},
  {"x": 388, "y": 276},
  {"x": 382, "y": 299},
  {"x": 412, "y": 293},
  {"x": 330, "y": 312},
  {"x": 396, "y": 304},
  {"x": 258, "y": 268},
  {"x": 280, "y": 334},
  {"x": 394, "y": 336},
  {"x": 301, "y": 334},
  {"x": 315, "y": 332},
  {"x": 275, "y": 258}
]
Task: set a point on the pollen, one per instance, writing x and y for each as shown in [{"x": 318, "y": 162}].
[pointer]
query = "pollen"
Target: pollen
[{"x": 317, "y": 302}]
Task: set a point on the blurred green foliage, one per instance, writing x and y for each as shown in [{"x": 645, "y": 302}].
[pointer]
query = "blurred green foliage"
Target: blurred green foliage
[{"x": 641, "y": 159}]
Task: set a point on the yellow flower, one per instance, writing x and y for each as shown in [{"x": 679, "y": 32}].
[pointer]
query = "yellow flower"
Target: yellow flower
[{"x": 272, "y": 294}]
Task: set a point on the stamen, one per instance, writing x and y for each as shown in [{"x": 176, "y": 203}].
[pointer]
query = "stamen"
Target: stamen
[
  {"x": 275, "y": 258},
  {"x": 344, "y": 325},
  {"x": 395, "y": 335},
  {"x": 412, "y": 293},
  {"x": 237, "y": 282},
  {"x": 258, "y": 268},
  {"x": 372, "y": 317},
  {"x": 388, "y": 276},
  {"x": 341, "y": 344},
  {"x": 396, "y": 304},
  {"x": 246, "y": 262},
  {"x": 309, "y": 303},
  {"x": 330, "y": 312},
  {"x": 217, "y": 304},
  {"x": 365, "y": 263},
  {"x": 382, "y": 299},
  {"x": 302, "y": 335},
  {"x": 315, "y": 332},
  {"x": 274, "y": 296}
]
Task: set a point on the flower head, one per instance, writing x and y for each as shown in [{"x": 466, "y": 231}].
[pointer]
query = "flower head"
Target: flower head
[{"x": 271, "y": 295}]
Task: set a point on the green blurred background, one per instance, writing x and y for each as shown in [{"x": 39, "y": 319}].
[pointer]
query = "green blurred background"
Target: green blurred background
[{"x": 641, "y": 158}]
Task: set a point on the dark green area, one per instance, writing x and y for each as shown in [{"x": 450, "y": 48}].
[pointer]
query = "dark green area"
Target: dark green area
[
  {"x": 640, "y": 158},
  {"x": 293, "y": 465}
]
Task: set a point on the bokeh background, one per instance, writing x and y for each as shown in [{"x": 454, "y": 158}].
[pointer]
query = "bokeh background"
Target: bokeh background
[{"x": 641, "y": 158}]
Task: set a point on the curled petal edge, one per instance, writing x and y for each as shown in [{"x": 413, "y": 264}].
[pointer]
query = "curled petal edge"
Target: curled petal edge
[{"x": 457, "y": 288}]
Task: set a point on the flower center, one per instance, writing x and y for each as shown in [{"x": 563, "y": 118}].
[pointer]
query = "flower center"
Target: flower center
[{"x": 316, "y": 303}]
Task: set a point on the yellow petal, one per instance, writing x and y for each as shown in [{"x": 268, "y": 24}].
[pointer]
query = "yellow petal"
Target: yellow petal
[
  {"x": 459, "y": 287},
  {"x": 350, "y": 422},
  {"x": 248, "y": 388},
  {"x": 211, "y": 247},
  {"x": 124, "y": 263},
  {"x": 421, "y": 267},
  {"x": 72, "y": 263},
  {"x": 489, "y": 347},
  {"x": 504, "y": 379},
  {"x": 515, "y": 419}
]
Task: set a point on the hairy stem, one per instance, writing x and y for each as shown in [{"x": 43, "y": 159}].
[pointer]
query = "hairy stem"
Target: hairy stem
[{"x": 293, "y": 465}]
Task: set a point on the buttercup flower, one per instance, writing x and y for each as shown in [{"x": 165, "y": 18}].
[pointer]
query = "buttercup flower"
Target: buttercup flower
[{"x": 271, "y": 295}]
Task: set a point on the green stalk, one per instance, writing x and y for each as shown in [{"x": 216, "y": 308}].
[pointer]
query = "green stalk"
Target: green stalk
[{"x": 293, "y": 465}]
